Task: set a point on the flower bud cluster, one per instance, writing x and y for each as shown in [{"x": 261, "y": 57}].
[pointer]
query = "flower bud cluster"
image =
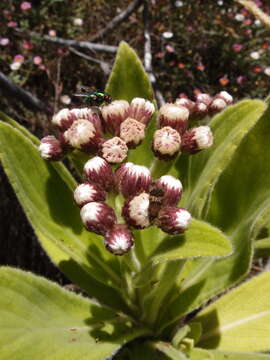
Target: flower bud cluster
[
  {"x": 146, "y": 202},
  {"x": 84, "y": 129}
]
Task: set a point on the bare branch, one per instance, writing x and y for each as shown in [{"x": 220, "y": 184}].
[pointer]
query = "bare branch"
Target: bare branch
[
  {"x": 256, "y": 11},
  {"x": 29, "y": 100},
  {"x": 148, "y": 53},
  {"x": 104, "y": 65},
  {"x": 118, "y": 19}
]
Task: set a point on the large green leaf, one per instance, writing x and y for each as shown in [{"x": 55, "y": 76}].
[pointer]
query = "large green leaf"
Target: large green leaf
[
  {"x": 48, "y": 203},
  {"x": 262, "y": 247},
  {"x": 128, "y": 78},
  {"x": 39, "y": 320},
  {"x": 224, "y": 355},
  {"x": 170, "y": 351},
  {"x": 240, "y": 320}
]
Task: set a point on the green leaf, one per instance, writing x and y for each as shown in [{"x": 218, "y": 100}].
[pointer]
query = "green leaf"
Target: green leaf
[
  {"x": 171, "y": 352},
  {"x": 224, "y": 355},
  {"x": 238, "y": 317},
  {"x": 262, "y": 247},
  {"x": 128, "y": 78},
  {"x": 48, "y": 203},
  {"x": 39, "y": 320},
  {"x": 200, "y": 354}
]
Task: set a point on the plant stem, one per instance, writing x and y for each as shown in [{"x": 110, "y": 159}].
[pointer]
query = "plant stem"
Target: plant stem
[{"x": 160, "y": 167}]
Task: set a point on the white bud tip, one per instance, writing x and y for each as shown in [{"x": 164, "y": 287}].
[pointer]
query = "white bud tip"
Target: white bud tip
[{"x": 204, "y": 137}]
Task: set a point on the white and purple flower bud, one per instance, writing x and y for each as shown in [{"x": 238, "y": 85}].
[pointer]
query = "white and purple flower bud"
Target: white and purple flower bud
[
  {"x": 114, "y": 150},
  {"x": 50, "y": 148},
  {"x": 98, "y": 171},
  {"x": 175, "y": 116},
  {"x": 90, "y": 115},
  {"x": 204, "y": 98},
  {"x": 141, "y": 110},
  {"x": 200, "y": 110},
  {"x": 187, "y": 103},
  {"x": 172, "y": 189},
  {"x": 82, "y": 135},
  {"x": 132, "y": 132},
  {"x": 119, "y": 239},
  {"x": 173, "y": 220},
  {"x": 63, "y": 119},
  {"x": 86, "y": 193},
  {"x": 132, "y": 179},
  {"x": 114, "y": 114},
  {"x": 98, "y": 217},
  {"x": 225, "y": 96},
  {"x": 217, "y": 105},
  {"x": 136, "y": 211},
  {"x": 197, "y": 139},
  {"x": 166, "y": 143}
]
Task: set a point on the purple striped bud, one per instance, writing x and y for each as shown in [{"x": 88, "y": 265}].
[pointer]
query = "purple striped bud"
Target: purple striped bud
[
  {"x": 83, "y": 136},
  {"x": 50, "y": 148},
  {"x": 141, "y": 110},
  {"x": 197, "y": 139},
  {"x": 172, "y": 189},
  {"x": 114, "y": 150},
  {"x": 98, "y": 171},
  {"x": 63, "y": 119},
  {"x": 187, "y": 103},
  {"x": 166, "y": 143},
  {"x": 98, "y": 217},
  {"x": 204, "y": 98},
  {"x": 86, "y": 193},
  {"x": 132, "y": 179},
  {"x": 136, "y": 211},
  {"x": 132, "y": 132},
  {"x": 119, "y": 239},
  {"x": 175, "y": 116},
  {"x": 90, "y": 115},
  {"x": 217, "y": 105},
  {"x": 114, "y": 114},
  {"x": 173, "y": 220},
  {"x": 226, "y": 97},
  {"x": 200, "y": 110}
]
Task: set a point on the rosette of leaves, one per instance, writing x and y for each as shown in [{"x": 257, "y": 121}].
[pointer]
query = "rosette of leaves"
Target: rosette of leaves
[{"x": 158, "y": 306}]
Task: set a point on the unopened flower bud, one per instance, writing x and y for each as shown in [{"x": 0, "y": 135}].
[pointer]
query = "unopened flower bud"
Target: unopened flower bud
[
  {"x": 136, "y": 211},
  {"x": 175, "y": 116},
  {"x": 50, "y": 148},
  {"x": 133, "y": 179},
  {"x": 200, "y": 110},
  {"x": 172, "y": 189},
  {"x": 63, "y": 119},
  {"x": 98, "y": 217},
  {"x": 90, "y": 115},
  {"x": 132, "y": 132},
  {"x": 173, "y": 220},
  {"x": 98, "y": 171},
  {"x": 226, "y": 97},
  {"x": 119, "y": 239},
  {"x": 166, "y": 143},
  {"x": 141, "y": 110},
  {"x": 197, "y": 139},
  {"x": 83, "y": 136},
  {"x": 86, "y": 193},
  {"x": 114, "y": 150},
  {"x": 204, "y": 98},
  {"x": 114, "y": 114},
  {"x": 187, "y": 103},
  {"x": 217, "y": 105}
]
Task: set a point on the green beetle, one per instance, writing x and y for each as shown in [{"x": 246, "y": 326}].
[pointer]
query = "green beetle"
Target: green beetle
[{"x": 94, "y": 97}]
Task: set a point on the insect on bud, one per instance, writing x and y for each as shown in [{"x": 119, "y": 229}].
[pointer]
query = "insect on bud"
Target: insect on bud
[
  {"x": 98, "y": 217},
  {"x": 173, "y": 220},
  {"x": 197, "y": 139},
  {"x": 166, "y": 143},
  {"x": 186, "y": 103},
  {"x": 175, "y": 116},
  {"x": 98, "y": 171},
  {"x": 86, "y": 193},
  {"x": 119, "y": 239},
  {"x": 114, "y": 150},
  {"x": 114, "y": 114},
  {"x": 217, "y": 105},
  {"x": 136, "y": 211},
  {"x": 50, "y": 148},
  {"x": 132, "y": 132},
  {"x": 83, "y": 136},
  {"x": 63, "y": 119},
  {"x": 141, "y": 110},
  {"x": 172, "y": 189},
  {"x": 226, "y": 97},
  {"x": 132, "y": 179}
]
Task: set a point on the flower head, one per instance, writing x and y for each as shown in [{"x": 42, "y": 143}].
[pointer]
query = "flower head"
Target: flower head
[
  {"x": 98, "y": 217},
  {"x": 175, "y": 116},
  {"x": 119, "y": 239},
  {"x": 25, "y": 5},
  {"x": 166, "y": 143},
  {"x": 174, "y": 220}
]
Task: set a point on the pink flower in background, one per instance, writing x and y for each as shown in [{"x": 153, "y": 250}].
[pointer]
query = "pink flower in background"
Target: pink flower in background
[
  {"x": 170, "y": 48},
  {"x": 258, "y": 2},
  {"x": 200, "y": 67},
  {"x": 181, "y": 65},
  {"x": 196, "y": 92},
  {"x": 65, "y": 99},
  {"x": 37, "y": 60},
  {"x": 12, "y": 24},
  {"x": 267, "y": 71},
  {"x": 240, "y": 79},
  {"x": 257, "y": 69},
  {"x": 247, "y": 22},
  {"x": 4, "y": 41},
  {"x": 248, "y": 32},
  {"x": 224, "y": 81},
  {"x": 159, "y": 54},
  {"x": 15, "y": 66},
  {"x": 52, "y": 33},
  {"x": 26, "y": 5},
  {"x": 27, "y": 45},
  {"x": 18, "y": 58},
  {"x": 42, "y": 67},
  {"x": 237, "y": 47}
]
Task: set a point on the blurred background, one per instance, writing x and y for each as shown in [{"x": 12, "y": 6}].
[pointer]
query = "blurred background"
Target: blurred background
[{"x": 49, "y": 48}]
